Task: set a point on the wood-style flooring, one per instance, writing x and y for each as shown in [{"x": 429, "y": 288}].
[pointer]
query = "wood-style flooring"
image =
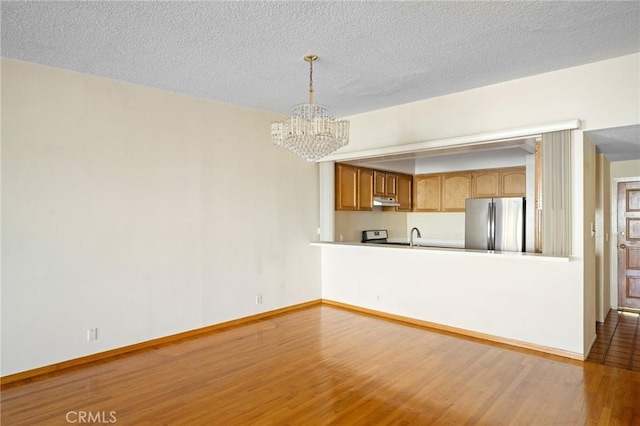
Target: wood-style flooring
[
  {"x": 327, "y": 366},
  {"x": 618, "y": 342}
]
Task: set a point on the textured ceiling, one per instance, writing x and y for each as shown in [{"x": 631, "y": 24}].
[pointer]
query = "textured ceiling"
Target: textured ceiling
[
  {"x": 619, "y": 143},
  {"x": 373, "y": 54}
]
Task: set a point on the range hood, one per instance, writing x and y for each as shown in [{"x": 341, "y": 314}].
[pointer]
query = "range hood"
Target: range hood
[{"x": 385, "y": 202}]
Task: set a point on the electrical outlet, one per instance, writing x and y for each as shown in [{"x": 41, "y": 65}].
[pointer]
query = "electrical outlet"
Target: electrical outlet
[
  {"x": 259, "y": 299},
  {"x": 92, "y": 334}
]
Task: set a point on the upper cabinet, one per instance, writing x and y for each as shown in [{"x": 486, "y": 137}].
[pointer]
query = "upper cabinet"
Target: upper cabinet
[
  {"x": 456, "y": 188},
  {"x": 447, "y": 192},
  {"x": 346, "y": 187},
  {"x": 513, "y": 182},
  {"x": 485, "y": 184},
  {"x": 385, "y": 184},
  {"x": 427, "y": 193},
  {"x": 444, "y": 192},
  {"x": 441, "y": 192},
  {"x": 404, "y": 187},
  {"x": 356, "y": 187},
  {"x": 365, "y": 189},
  {"x": 510, "y": 182}
]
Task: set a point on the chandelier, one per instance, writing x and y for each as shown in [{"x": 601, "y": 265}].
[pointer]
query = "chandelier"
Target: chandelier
[{"x": 311, "y": 132}]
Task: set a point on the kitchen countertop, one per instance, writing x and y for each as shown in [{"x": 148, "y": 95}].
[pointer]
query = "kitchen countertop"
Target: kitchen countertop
[
  {"x": 459, "y": 250},
  {"x": 431, "y": 242}
]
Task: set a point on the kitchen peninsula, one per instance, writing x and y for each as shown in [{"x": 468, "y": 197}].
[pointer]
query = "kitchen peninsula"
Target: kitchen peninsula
[{"x": 483, "y": 294}]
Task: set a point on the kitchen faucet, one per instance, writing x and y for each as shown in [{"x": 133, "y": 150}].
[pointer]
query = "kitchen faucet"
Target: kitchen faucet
[{"x": 411, "y": 236}]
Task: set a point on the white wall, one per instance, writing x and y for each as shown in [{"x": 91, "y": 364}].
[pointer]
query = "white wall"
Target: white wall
[
  {"x": 587, "y": 204},
  {"x": 448, "y": 226},
  {"x": 143, "y": 213},
  {"x": 601, "y": 94}
]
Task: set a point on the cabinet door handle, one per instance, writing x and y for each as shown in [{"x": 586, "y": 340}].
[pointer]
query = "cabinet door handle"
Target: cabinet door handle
[{"x": 623, "y": 246}]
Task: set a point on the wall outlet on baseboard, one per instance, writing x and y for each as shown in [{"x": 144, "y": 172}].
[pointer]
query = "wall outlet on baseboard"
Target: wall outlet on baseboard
[
  {"x": 92, "y": 334},
  {"x": 259, "y": 299}
]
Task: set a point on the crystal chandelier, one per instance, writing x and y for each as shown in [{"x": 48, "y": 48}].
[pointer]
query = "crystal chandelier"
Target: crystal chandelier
[{"x": 311, "y": 132}]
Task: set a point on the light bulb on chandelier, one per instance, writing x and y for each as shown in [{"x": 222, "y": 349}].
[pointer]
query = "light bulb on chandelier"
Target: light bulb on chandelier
[{"x": 311, "y": 132}]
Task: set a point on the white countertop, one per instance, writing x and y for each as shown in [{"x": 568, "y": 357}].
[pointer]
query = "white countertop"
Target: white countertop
[
  {"x": 428, "y": 245},
  {"x": 431, "y": 242}
]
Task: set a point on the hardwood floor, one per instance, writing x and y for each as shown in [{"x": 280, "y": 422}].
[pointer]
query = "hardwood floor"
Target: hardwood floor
[
  {"x": 618, "y": 342},
  {"x": 321, "y": 366}
]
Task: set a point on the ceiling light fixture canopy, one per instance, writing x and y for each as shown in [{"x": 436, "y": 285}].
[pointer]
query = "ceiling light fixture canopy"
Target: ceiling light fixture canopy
[{"x": 311, "y": 132}]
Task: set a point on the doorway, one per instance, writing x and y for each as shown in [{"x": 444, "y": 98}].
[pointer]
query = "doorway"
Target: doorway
[{"x": 628, "y": 245}]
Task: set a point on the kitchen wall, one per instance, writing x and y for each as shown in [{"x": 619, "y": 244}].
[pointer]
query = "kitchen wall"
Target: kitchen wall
[
  {"x": 142, "y": 213},
  {"x": 449, "y": 226},
  {"x": 349, "y": 225}
]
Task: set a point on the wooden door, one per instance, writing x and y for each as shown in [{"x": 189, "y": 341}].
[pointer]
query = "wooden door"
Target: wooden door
[
  {"x": 485, "y": 184},
  {"x": 513, "y": 182},
  {"x": 379, "y": 184},
  {"x": 629, "y": 245},
  {"x": 427, "y": 193},
  {"x": 365, "y": 189},
  {"x": 391, "y": 185},
  {"x": 346, "y": 187},
  {"x": 456, "y": 188},
  {"x": 404, "y": 193}
]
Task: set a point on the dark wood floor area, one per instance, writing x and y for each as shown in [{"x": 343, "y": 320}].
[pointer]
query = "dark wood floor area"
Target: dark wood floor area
[
  {"x": 328, "y": 366},
  {"x": 618, "y": 342}
]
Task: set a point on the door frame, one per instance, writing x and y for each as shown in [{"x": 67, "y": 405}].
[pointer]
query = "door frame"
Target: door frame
[{"x": 613, "y": 236}]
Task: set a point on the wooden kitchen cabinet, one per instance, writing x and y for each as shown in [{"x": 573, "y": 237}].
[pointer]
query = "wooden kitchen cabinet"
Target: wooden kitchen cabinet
[
  {"x": 404, "y": 186},
  {"x": 427, "y": 193},
  {"x": 379, "y": 183},
  {"x": 485, "y": 184},
  {"x": 456, "y": 188},
  {"x": 365, "y": 189},
  {"x": 384, "y": 184},
  {"x": 513, "y": 182},
  {"x": 391, "y": 185},
  {"x": 346, "y": 190},
  {"x": 510, "y": 182},
  {"x": 354, "y": 187}
]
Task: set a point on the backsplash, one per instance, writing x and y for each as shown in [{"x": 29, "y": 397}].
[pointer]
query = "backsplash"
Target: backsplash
[
  {"x": 349, "y": 225},
  {"x": 448, "y": 226}
]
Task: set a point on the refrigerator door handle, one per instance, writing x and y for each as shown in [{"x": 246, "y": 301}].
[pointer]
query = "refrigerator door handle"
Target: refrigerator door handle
[{"x": 489, "y": 230}]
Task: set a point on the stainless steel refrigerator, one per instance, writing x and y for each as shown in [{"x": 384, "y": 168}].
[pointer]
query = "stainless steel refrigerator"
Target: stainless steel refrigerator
[{"x": 495, "y": 224}]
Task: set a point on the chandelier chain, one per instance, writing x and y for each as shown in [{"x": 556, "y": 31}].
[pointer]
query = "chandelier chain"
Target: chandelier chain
[{"x": 311, "y": 81}]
